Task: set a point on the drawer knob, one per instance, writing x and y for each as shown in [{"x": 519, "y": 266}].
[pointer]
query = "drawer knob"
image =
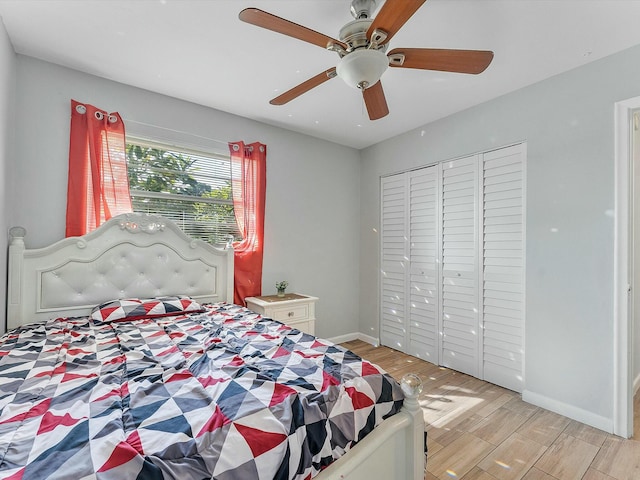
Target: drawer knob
[{"x": 290, "y": 314}]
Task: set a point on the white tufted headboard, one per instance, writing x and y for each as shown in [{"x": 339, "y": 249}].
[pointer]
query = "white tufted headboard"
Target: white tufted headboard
[{"x": 132, "y": 255}]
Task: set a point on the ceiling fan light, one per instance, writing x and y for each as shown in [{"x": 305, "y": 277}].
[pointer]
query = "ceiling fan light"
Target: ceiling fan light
[{"x": 362, "y": 68}]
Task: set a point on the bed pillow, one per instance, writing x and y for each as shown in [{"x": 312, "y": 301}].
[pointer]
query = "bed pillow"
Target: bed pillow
[{"x": 136, "y": 308}]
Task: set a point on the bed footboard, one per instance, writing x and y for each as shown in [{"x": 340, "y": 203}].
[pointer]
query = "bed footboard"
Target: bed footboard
[{"x": 395, "y": 449}]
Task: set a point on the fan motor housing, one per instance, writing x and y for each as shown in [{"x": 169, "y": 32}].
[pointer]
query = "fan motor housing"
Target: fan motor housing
[{"x": 354, "y": 34}]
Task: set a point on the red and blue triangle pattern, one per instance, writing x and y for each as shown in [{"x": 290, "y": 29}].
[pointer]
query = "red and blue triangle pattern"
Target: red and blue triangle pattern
[
  {"x": 222, "y": 394},
  {"x": 135, "y": 308}
]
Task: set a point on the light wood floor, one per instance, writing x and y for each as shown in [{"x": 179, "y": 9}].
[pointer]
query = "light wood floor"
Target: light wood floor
[{"x": 478, "y": 431}]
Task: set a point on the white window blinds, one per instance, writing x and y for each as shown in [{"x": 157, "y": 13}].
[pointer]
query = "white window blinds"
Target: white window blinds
[{"x": 191, "y": 188}]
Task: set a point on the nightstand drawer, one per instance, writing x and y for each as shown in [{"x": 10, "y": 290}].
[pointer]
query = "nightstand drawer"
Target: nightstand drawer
[{"x": 293, "y": 312}]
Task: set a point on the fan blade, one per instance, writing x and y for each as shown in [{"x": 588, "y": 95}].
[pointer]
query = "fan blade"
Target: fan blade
[
  {"x": 304, "y": 87},
  {"x": 266, "y": 20},
  {"x": 460, "y": 61},
  {"x": 375, "y": 101},
  {"x": 392, "y": 16}
]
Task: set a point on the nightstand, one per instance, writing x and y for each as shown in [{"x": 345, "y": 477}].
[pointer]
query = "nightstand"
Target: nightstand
[{"x": 297, "y": 311}]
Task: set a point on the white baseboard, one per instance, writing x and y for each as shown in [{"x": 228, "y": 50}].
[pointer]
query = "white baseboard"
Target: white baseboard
[
  {"x": 348, "y": 337},
  {"x": 570, "y": 411}
]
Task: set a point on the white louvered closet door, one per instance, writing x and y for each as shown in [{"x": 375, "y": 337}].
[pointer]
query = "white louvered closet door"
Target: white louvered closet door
[
  {"x": 460, "y": 266},
  {"x": 424, "y": 273},
  {"x": 503, "y": 269},
  {"x": 394, "y": 255},
  {"x": 452, "y": 258}
]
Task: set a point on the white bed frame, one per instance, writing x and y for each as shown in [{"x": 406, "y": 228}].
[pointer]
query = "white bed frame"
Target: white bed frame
[{"x": 135, "y": 255}]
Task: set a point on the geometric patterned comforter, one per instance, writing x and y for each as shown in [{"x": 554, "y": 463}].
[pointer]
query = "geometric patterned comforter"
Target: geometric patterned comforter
[{"x": 224, "y": 394}]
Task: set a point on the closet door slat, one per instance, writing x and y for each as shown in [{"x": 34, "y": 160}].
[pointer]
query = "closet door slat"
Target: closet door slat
[
  {"x": 393, "y": 246},
  {"x": 460, "y": 328},
  {"x": 503, "y": 267},
  {"x": 424, "y": 253}
]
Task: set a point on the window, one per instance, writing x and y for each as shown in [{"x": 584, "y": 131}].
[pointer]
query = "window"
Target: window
[{"x": 191, "y": 188}]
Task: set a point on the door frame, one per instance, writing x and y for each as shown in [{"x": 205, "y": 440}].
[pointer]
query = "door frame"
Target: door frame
[{"x": 622, "y": 314}]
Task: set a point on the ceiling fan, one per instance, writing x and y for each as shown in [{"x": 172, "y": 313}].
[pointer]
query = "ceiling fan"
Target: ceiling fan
[{"x": 362, "y": 50}]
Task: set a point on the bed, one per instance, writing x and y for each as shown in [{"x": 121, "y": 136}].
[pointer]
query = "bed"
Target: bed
[{"x": 125, "y": 359}]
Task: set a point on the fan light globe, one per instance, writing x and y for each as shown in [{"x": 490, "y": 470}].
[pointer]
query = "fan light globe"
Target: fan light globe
[{"x": 362, "y": 68}]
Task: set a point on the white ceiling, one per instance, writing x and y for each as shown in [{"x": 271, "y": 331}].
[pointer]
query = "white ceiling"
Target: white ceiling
[{"x": 199, "y": 51}]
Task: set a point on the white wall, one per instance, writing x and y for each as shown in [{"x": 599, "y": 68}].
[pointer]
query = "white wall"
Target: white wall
[
  {"x": 568, "y": 124},
  {"x": 7, "y": 94},
  {"x": 311, "y": 225}
]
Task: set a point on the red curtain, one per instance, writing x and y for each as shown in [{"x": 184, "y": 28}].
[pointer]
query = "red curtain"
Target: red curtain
[
  {"x": 249, "y": 185},
  {"x": 98, "y": 186}
]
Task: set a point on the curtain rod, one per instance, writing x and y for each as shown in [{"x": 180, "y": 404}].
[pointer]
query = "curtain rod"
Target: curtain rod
[{"x": 127, "y": 120}]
